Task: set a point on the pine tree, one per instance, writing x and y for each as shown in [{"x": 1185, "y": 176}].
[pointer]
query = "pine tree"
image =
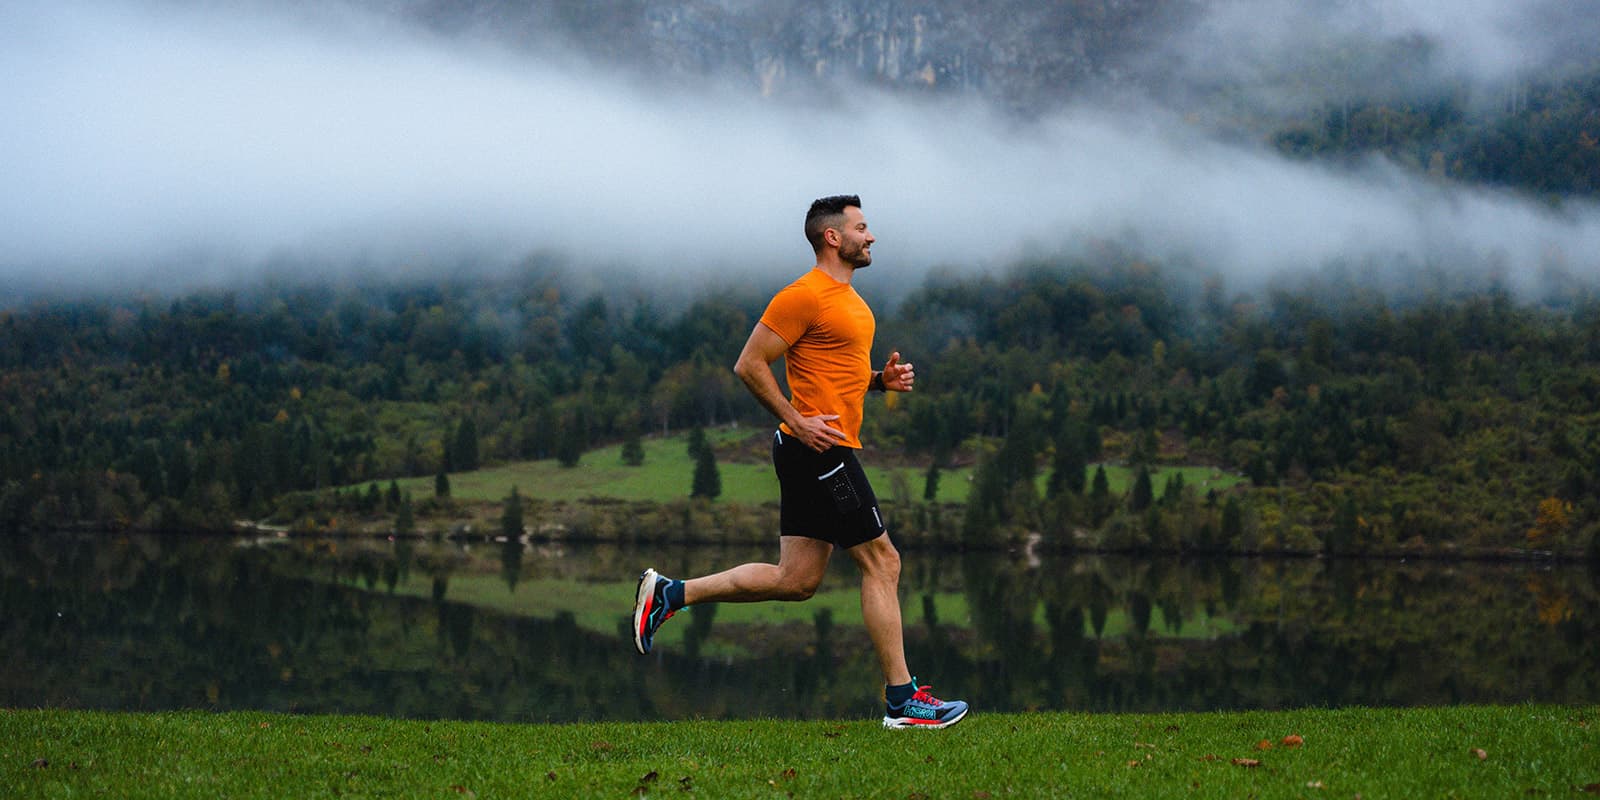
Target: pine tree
[
  {"x": 569, "y": 446},
  {"x": 511, "y": 517},
  {"x": 1100, "y": 495},
  {"x": 441, "y": 484},
  {"x": 1140, "y": 497},
  {"x": 404, "y": 522},
  {"x": 465, "y": 452},
  {"x": 707, "y": 480},
  {"x": 1232, "y": 522},
  {"x": 1174, "y": 489},
  {"x": 632, "y": 450}
]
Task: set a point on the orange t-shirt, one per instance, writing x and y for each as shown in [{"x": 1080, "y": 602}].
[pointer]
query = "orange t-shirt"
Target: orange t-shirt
[{"x": 829, "y": 362}]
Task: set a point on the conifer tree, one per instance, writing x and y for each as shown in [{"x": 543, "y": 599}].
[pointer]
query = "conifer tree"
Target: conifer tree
[
  {"x": 707, "y": 480},
  {"x": 511, "y": 516},
  {"x": 404, "y": 521},
  {"x": 1100, "y": 495},
  {"x": 632, "y": 450},
  {"x": 1142, "y": 493},
  {"x": 465, "y": 451}
]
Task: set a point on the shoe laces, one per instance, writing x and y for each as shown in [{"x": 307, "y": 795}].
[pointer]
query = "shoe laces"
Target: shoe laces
[{"x": 922, "y": 696}]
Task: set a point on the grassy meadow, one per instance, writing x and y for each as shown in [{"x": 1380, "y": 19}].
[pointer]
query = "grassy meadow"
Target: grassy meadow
[
  {"x": 667, "y": 475},
  {"x": 1457, "y": 751}
]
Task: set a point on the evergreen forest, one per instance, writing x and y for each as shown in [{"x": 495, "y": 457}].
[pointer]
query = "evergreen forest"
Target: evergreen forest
[{"x": 1442, "y": 422}]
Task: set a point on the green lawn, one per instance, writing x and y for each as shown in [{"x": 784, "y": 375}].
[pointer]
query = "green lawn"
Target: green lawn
[
  {"x": 667, "y": 474},
  {"x": 1460, "y": 751}
]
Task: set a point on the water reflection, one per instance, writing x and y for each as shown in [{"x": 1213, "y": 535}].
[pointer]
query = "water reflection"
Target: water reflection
[{"x": 508, "y": 632}]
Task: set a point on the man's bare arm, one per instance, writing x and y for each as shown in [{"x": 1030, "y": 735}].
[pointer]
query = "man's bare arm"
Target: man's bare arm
[{"x": 754, "y": 367}]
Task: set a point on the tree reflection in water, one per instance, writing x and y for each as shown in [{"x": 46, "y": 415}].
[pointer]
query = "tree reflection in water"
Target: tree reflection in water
[{"x": 509, "y": 632}]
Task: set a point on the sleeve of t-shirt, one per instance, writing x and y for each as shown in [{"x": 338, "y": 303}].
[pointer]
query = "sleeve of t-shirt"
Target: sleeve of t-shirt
[{"x": 791, "y": 312}]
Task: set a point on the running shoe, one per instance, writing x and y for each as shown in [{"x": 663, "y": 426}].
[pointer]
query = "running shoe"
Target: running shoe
[
  {"x": 924, "y": 710},
  {"x": 649, "y": 609}
]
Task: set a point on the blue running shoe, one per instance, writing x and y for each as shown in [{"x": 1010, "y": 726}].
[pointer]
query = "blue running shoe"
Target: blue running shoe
[
  {"x": 924, "y": 710},
  {"x": 649, "y": 609}
]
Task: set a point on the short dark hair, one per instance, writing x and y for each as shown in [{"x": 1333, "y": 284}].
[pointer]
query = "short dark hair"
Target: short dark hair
[{"x": 825, "y": 213}]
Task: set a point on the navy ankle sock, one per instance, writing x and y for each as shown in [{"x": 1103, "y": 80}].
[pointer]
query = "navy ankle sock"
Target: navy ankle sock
[
  {"x": 898, "y": 695},
  {"x": 673, "y": 595}
]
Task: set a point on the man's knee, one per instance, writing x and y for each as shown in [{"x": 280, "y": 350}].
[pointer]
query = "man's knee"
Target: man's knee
[
  {"x": 879, "y": 558},
  {"x": 797, "y": 589}
]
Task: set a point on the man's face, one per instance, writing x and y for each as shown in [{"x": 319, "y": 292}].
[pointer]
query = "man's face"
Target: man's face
[{"x": 855, "y": 241}]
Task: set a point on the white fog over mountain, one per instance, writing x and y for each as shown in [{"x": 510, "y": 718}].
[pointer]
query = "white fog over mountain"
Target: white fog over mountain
[{"x": 164, "y": 146}]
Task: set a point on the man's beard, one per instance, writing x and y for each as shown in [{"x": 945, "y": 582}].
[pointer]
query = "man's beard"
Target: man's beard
[{"x": 856, "y": 258}]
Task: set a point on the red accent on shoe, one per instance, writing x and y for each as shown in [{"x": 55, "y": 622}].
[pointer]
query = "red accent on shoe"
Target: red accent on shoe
[{"x": 644, "y": 619}]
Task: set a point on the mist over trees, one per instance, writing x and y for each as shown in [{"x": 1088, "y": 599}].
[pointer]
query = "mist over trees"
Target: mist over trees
[{"x": 1362, "y": 424}]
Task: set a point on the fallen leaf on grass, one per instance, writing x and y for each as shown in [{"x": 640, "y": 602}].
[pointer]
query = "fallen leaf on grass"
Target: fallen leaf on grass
[
  {"x": 1593, "y": 788},
  {"x": 1246, "y": 762},
  {"x": 981, "y": 795},
  {"x": 789, "y": 774},
  {"x": 40, "y": 763},
  {"x": 1133, "y": 763},
  {"x": 685, "y": 783},
  {"x": 1482, "y": 756},
  {"x": 1209, "y": 757},
  {"x": 1264, "y": 744},
  {"x": 649, "y": 777},
  {"x": 1293, "y": 740},
  {"x": 549, "y": 776},
  {"x": 1315, "y": 785}
]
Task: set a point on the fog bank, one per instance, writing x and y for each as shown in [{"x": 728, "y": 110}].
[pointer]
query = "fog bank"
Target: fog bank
[{"x": 160, "y": 148}]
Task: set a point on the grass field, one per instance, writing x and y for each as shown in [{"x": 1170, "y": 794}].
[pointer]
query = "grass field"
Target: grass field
[
  {"x": 1461, "y": 751},
  {"x": 667, "y": 474}
]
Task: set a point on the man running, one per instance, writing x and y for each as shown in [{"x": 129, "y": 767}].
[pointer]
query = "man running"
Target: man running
[{"x": 824, "y": 331}]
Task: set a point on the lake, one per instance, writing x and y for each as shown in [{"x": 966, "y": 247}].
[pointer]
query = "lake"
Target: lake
[{"x": 534, "y": 633}]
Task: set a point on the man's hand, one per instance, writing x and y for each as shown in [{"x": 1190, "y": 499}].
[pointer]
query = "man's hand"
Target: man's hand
[
  {"x": 898, "y": 377},
  {"x": 816, "y": 433}
]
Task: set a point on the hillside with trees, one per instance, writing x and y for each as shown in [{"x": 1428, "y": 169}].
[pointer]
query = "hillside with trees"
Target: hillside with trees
[{"x": 1444, "y": 423}]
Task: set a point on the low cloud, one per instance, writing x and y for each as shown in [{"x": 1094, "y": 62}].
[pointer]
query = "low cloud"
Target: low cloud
[{"x": 164, "y": 149}]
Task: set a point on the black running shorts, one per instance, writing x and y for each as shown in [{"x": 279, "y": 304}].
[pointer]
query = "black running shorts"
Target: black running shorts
[{"x": 824, "y": 495}]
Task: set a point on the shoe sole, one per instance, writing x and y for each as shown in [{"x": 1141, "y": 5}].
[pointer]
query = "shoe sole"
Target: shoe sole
[
  {"x": 909, "y": 722},
  {"x": 641, "y": 608}
]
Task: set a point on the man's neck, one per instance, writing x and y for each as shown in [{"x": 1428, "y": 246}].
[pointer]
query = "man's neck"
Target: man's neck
[{"x": 836, "y": 270}]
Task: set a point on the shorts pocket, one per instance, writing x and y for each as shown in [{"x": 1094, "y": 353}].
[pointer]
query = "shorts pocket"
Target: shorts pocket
[{"x": 843, "y": 490}]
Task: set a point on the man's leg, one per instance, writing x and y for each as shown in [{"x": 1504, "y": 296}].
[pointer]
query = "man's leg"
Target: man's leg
[
  {"x": 880, "y": 605},
  {"x": 906, "y": 705},
  {"x": 801, "y": 564}
]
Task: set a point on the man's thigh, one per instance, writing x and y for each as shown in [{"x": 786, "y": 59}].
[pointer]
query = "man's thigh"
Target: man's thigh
[{"x": 803, "y": 558}]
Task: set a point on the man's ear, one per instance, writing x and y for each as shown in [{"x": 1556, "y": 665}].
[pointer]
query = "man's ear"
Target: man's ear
[{"x": 832, "y": 237}]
